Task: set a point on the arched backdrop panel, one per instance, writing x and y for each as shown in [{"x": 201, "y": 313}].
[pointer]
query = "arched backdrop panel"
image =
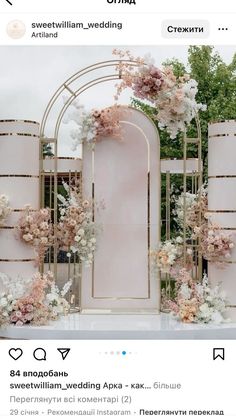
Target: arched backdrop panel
[
  {"x": 125, "y": 175},
  {"x": 147, "y": 298}
]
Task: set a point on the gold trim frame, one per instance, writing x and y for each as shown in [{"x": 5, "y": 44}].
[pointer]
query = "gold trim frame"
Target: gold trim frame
[
  {"x": 148, "y": 222},
  {"x": 197, "y": 180}
]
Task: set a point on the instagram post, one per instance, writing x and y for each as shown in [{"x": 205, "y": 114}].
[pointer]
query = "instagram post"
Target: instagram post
[
  {"x": 94, "y": 240},
  {"x": 117, "y": 209}
]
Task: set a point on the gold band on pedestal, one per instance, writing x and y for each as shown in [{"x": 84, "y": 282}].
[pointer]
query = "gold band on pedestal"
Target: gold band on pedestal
[
  {"x": 17, "y": 134},
  {"x": 229, "y": 261},
  {"x": 20, "y": 120},
  {"x": 221, "y": 121},
  {"x": 21, "y": 176},
  {"x": 221, "y": 211},
  {"x": 7, "y": 228},
  {"x": 222, "y": 177},
  {"x": 62, "y": 158},
  {"x": 17, "y": 260},
  {"x": 211, "y": 137},
  {"x": 226, "y": 228},
  {"x": 22, "y": 209}
]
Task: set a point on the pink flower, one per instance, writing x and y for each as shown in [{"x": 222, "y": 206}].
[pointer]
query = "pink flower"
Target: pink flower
[
  {"x": 44, "y": 212},
  {"x": 14, "y": 318},
  {"x": 34, "y": 225},
  {"x": 86, "y": 204}
]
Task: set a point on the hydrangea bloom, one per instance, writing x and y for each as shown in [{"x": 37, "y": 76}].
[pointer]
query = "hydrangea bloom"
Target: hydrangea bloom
[
  {"x": 196, "y": 302},
  {"x": 5, "y": 209},
  {"x": 174, "y": 97}
]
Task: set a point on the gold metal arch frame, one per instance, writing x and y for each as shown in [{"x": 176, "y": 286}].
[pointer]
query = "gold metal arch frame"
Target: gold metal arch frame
[
  {"x": 196, "y": 186},
  {"x": 192, "y": 182},
  {"x": 73, "y": 87}
]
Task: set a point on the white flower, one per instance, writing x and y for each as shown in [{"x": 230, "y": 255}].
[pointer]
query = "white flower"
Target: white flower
[
  {"x": 51, "y": 297},
  {"x": 185, "y": 291},
  {"x": 217, "y": 317},
  {"x": 179, "y": 240},
  {"x": 5, "y": 210},
  {"x": 3, "y": 302},
  {"x": 205, "y": 310},
  {"x": 28, "y": 237}
]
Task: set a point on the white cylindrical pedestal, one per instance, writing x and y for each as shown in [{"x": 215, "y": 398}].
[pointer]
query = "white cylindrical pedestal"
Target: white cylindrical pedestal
[
  {"x": 222, "y": 200},
  {"x": 19, "y": 180},
  {"x": 65, "y": 165}
]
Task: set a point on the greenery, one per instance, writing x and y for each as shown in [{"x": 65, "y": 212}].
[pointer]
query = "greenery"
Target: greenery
[
  {"x": 47, "y": 150},
  {"x": 216, "y": 88}
]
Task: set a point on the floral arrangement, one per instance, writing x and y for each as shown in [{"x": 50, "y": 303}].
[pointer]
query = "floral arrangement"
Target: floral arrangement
[
  {"x": 95, "y": 125},
  {"x": 35, "y": 229},
  {"x": 196, "y": 302},
  {"x": 39, "y": 302},
  {"x": 55, "y": 298},
  {"x": 76, "y": 231},
  {"x": 169, "y": 257},
  {"x": 215, "y": 244},
  {"x": 174, "y": 97},
  {"x": 195, "y": 207},
  {"x": 6, "y": 308},
  {"x": 5, "y": 209}
]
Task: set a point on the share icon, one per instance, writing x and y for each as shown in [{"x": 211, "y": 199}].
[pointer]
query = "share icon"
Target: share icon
[{"x": 64, "y": 352}]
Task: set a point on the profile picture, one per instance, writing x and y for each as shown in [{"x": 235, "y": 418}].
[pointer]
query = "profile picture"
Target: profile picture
[{"x": 16, "y": 29}]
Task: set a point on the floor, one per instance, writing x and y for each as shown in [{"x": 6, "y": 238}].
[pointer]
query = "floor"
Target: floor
[{"x": 84, "y": 326}]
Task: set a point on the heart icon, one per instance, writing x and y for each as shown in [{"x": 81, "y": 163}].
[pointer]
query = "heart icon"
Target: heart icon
[{"x": 15, "y": 353}]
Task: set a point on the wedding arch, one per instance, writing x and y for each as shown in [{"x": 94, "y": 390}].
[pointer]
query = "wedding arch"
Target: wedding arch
[{"x": 73, "y": 88}]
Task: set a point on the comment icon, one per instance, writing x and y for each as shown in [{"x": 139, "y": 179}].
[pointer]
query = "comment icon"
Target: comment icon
[{"x": 40, "y": 354}]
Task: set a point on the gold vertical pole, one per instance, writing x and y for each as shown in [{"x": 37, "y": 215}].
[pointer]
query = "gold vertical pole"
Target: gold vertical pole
[
  {"x": 168, "y": 282},
  {"x": 41, "y": 187},
  {"x": 55, "y": 206},
  {"x": 50, "y": 206},
  {"x": 184, "y": 198},
  {"x": 168, "y": 205},
  {"x": 199, "y": 188}
]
